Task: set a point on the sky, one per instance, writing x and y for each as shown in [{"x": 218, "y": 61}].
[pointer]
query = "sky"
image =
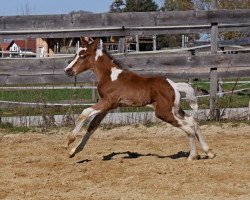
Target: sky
[{"x": 43, "y": 7}]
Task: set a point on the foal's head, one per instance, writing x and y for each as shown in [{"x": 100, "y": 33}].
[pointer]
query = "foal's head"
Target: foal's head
[{"x": 85, "y": 57}]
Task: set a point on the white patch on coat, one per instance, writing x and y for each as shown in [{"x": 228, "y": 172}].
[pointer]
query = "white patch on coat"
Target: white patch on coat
[
  {"x": 75, "y": 59},
  {"x": 190, "y": 94},
  {"x": 115, "y": 73},
  {"x": 89, "y": 112},
  {"x": 85, "y": 115},
  {"x": 99, "y": 51}
]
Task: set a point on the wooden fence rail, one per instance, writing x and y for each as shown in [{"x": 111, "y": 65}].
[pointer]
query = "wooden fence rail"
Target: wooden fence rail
[
  {"x": 50, "y": 70},
  {"x": 122, "y": 24}
]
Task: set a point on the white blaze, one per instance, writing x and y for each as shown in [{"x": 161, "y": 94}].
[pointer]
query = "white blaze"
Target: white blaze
[
  {"x": 115, "y": 73},
  {"x": 75, "y": 59}
]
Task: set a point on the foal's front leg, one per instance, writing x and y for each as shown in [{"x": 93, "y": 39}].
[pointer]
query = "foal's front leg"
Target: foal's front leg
[
  {"x": 91, "y": 129},
  {"x": 101, "y": 106},
  {"x": 83, "y": 117}
]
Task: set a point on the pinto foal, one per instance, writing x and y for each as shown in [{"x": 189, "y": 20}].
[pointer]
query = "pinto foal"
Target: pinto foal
[{"x": 120, "y": 87}]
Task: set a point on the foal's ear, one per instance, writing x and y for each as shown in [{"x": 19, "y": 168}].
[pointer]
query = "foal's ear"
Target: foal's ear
[
  {"x": 84, "y": 41},
  {"x": 97, "y": 44}
]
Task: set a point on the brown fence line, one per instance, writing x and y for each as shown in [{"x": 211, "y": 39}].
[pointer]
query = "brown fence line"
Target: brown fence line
[
  {"x": 122, "y": 24},
  {"x": 50, "y": 70}
]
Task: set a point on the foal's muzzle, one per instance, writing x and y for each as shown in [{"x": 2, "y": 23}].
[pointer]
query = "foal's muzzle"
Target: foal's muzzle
[{"x": 69, "y": 73}]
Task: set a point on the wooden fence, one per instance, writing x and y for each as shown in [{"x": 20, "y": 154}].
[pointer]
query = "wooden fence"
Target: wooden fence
[
  {"x": 50, "y": 70},
  {"x": 123, "y": 24}
]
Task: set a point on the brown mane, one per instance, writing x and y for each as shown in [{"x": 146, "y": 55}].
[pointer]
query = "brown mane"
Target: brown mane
[{"x": 116, "y": 62}]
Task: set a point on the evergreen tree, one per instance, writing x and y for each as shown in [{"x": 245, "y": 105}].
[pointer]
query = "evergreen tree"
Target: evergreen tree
[
  {"x": 117, "y": 6},
  {"x": 140, "y": 6}
]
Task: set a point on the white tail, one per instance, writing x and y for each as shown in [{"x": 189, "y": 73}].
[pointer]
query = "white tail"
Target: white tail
[
  {"x": 190, "y": 94},
  {"x": 188, "y": 90}
]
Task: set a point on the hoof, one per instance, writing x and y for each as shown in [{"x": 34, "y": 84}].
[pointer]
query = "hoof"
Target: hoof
[
  {"x": 210, "y": 154},
  {"x": 72, "y": 153},
  {"x": 192, "y": 157},
  {"x": 71, "y": 139}
]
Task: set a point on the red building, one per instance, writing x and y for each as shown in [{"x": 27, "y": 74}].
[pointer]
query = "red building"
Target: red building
[{"x": 21, "y": 47}]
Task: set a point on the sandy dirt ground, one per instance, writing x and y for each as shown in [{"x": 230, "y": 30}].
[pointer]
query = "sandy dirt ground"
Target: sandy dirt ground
[{"x": 129, "y": 162}]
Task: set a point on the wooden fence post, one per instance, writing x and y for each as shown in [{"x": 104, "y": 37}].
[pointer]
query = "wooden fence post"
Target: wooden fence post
[
  {"x": 137, "y": 47},
  {"x": 121, "y": 45},
  {"x": 220, "y": 87},
  {"x": 213, "y": 71},
  {"x": 154, "y": 43},
  {"x": 248, "y": 117},
  {"x": 213, "y": 93}
]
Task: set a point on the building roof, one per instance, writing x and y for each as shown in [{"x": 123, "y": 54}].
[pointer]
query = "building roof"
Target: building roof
[
  {"x": 29, "y": 44},
  {"x": 4, "y": 46}
]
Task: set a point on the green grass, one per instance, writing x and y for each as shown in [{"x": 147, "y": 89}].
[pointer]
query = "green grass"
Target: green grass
[
  {"x": 226, "y": 87},
  {"x": 53, "y": 95},
  {"x": 227, "y": 101},
  {"x": 56, "y": 95},
  {"x": 19, "y": 129},
  {"x": 241, "y": 99}
]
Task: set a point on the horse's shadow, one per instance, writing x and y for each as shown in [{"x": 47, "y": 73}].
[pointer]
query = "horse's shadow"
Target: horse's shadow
[{"x": 134, "y": 155}]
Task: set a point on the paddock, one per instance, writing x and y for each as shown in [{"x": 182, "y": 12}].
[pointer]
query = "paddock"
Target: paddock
[
  {"x": 123, "y": 162},
  {"x": 127, "y": 162}
]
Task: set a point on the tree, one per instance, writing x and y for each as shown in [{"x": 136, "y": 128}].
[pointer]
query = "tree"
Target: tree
[
  {"x": 226, "y": 4},
  {"x": 234, "y": 4},
  {"x": 173, "y": 5},
  {"x": 117, "y": 6},
  {"x": 223, "y": 4},
  {"x": 202, "y": 4},
  {"x": 175, "y": 40},
  {"x": 140, "y": 6}
]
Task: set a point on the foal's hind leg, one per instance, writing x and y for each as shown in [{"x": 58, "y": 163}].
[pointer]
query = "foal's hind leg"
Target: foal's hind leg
[
  {"x": 190, "y": 126},
  {"x": 202, "y": 141},
  {"x": 168, "y": 116},
  {"x": 187, "y": 124}
]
